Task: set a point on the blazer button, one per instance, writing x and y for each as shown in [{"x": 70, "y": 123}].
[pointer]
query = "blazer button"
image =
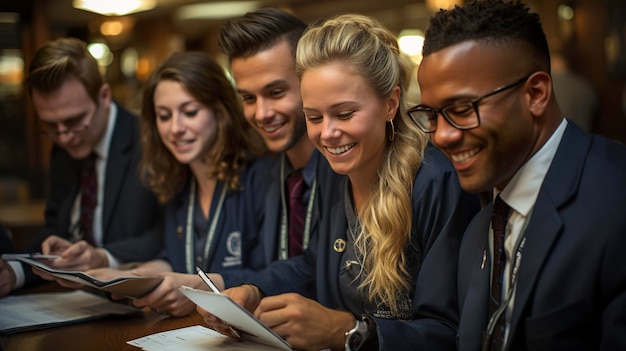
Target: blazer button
[
  {"x": 179, "y": 232},
  {"x": 339, "y": 245}
]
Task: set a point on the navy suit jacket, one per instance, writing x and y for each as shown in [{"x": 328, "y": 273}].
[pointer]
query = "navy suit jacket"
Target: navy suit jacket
[
  {"x": 327, "y": 185},
  {"x": 236, "y": 251},
  {"x": 130, "y": 210},
  {"x": 441, "y": 211},
  {"x": 571, "y": 290}
]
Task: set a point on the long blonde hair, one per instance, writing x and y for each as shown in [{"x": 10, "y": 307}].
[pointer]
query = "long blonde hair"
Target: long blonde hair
[{"x": 386, "y": 216}]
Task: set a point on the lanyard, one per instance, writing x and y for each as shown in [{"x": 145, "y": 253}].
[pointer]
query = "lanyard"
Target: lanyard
[
  {"x": 509, "y": 294},
  {"x": 283, "y": 249},
  {"x": 189, "y": 242}
]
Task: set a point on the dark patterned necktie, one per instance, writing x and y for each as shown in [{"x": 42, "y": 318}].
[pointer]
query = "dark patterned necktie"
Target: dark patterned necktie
[
  {"x": 499, "y": 219},
  {"x": 295, "y": 187},
  {"x": 88, "y": 198}
]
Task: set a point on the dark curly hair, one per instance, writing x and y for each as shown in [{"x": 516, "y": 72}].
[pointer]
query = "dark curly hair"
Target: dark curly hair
[{"x": 494, "y": 21}]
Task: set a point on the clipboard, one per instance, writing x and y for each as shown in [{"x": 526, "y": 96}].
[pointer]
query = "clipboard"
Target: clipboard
[{"x": 230, "y": 312}]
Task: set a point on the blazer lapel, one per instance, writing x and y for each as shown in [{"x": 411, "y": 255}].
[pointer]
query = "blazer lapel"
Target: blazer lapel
[
  {"x": 117, "y": 165},
  {"x": 560, "y": 184},
  {"x": 180, "y": 227},
  {"x": 337, "y": 233},
  {"x": 474, "y": 276}
]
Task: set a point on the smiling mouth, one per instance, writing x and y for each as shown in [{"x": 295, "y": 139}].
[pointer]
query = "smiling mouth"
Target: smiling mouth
[
  {"x": 464, "y": 156},
  {"x": 340, "y": 150},
  {"x": 272, "y": 128},
  {"x": 182, "y": 142}
]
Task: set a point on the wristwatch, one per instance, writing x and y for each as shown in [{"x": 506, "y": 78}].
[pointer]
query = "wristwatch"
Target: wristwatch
[{"x": 356, "y": 337}]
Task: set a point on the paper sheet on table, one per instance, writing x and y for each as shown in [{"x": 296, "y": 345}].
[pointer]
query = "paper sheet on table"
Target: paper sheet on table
[
  {"x": 195, "y": 338},
  {"x": 45, "y": 310}
]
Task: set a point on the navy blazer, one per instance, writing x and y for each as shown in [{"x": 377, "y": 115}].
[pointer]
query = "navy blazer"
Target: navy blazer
[
  {"x": 571, "y": 290},
  {"x": 327, "y": 185},
  {"x": 130, "y": 210},
  {"x": 236, "y": 251},
  {"x": 441, "y": 211}
]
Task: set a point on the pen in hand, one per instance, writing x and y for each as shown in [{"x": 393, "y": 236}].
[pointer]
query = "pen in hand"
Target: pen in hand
[{"x": 205, "y": 278}]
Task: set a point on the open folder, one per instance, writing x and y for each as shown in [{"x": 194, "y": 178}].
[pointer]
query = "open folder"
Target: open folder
[
  {"x": 131, "y": 286},
  {"x": 230, "y": 312}
]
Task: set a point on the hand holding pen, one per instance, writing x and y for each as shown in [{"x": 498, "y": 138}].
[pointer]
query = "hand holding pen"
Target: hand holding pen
[{"x": 205, "y": 278}]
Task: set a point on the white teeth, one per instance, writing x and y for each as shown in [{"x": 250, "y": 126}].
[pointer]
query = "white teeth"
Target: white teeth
[
  {"x": 339, "y": 150},
  {"x": 182, "y": 142},
  {"x": 271, "y": 128},
  {"x": 464, "y": 156}
]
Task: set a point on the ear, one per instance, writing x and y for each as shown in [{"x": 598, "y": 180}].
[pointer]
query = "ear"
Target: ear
[
  {"x": 539, "y": 89},
  {"x": 105, "y": 94},
  {"x": 393, "y": 103}
]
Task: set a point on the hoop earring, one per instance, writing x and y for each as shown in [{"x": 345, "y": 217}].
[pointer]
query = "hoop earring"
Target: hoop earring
[{"x": 393, "y": 131}]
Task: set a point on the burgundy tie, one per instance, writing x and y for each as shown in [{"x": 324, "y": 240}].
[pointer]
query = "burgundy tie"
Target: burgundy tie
[
  {"x": 499, "y": 219},
  {"x": 295, "y": 187},
  {"x": 89, "y": 197}
]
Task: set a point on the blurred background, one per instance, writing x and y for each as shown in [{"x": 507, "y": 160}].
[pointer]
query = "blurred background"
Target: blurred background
[{"x": 130, "y": 37}]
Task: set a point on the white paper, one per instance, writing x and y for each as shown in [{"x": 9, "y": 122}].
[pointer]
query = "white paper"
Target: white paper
[
  {"x": 195, "y": 338},
  {"x": 230, "y": 312},
  {"x": 35, "y": 311}
]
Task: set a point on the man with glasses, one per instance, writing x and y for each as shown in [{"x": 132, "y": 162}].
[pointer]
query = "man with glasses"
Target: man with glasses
[
  {"x": 98, "y": 214},
  {"x": 551, "y": 273}
]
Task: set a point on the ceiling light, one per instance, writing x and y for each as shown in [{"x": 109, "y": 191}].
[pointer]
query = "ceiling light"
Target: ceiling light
[
  {"x": 217, "y": 10},
  {"x": 114, "y": 7}
]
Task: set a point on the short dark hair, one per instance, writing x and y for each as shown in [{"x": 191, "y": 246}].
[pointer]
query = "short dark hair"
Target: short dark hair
[
  {"x": 496, "y": 21},
  {"x": 258, "y": 30},
  {"x": 61, "y": 59}
]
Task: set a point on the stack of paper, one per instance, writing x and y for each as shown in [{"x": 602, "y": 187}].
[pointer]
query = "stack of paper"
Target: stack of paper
[{"x": 45, "y": 310}]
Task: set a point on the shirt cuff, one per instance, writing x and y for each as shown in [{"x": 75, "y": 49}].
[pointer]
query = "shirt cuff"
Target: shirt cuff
[
  {"x": 19, "y": 274},
  {"x": 113, "y": 262}
]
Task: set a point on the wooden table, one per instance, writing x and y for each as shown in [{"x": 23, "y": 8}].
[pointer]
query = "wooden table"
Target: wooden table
[
  {"x": 23, "y": 220},
  {"x": 104, "y": 334}
]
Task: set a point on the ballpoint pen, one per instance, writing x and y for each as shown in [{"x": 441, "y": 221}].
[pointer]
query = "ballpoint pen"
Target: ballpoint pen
[{"x": 205, "y": 278}]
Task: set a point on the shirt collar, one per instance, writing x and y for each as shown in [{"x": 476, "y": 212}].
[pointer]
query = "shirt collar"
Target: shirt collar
[
  {"x": 308, "y": 172},
  {"x": 522, "y": 191},
  {"x": 102, "y": 148}
]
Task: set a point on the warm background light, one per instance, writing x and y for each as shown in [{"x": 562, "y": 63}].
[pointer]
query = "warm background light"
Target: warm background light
[{"x": 114, "y": 7}]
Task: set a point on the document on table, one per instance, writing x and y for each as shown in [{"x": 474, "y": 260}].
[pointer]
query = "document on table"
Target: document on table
[
  {"x": 195, "y": 338},
  {"x": 128, "y": 286},
  {"x": 45, "y": 310}
]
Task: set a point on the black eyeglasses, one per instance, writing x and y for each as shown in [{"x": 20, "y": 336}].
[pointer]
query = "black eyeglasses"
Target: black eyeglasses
[
  {"x": 461, "y": 116},
  {"x": 74, "y": 127},
  {"x": 55, "y": 134}
]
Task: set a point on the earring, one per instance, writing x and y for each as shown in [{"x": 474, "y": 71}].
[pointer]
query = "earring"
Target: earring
[{"x": 393, "y": 130}]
